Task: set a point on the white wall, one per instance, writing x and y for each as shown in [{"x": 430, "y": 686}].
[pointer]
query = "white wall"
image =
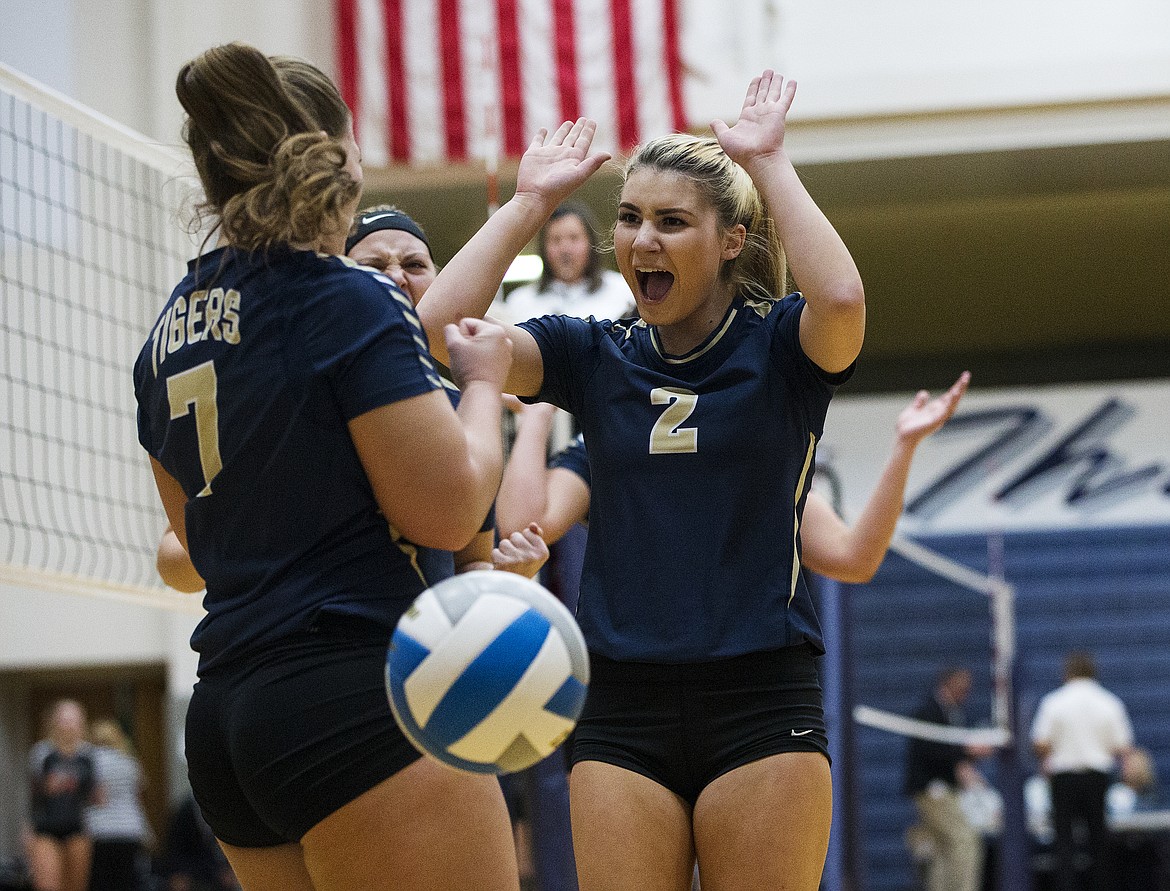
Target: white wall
[
  {"x": 859, "y": 58},
  {"x": 120, "y": 57},
  {"x": 47, "y": 629}
]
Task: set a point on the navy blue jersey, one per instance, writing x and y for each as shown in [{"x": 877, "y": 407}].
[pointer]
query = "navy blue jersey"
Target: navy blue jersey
[
  {"x": 62, "y": 786},
  {"x": 435, "y": 564},
  {"x": 245, "y": 387},
  {"x": 699, "y": 467},
  {"x": 573, "y": 457}
]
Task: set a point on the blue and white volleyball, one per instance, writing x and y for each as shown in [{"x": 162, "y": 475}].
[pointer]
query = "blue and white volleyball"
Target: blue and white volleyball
[{"x": 487, "y": 672}]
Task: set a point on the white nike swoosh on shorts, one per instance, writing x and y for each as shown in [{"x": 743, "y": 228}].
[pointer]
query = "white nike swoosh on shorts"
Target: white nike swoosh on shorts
[{"x": 802, "y": 732}]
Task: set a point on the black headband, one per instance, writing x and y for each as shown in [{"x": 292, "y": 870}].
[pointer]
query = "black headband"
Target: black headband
[{"x": 376, "y": 220}]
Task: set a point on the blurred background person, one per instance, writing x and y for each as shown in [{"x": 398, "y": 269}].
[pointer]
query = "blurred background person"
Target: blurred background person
[
  {"x": 191, "y": 858},
  {"x": 62, "y": 784},
  {"x": 116, "y": 821},
  {"x": 572, "y": 280},
  {"x": 936, "y": 775},
  {"x": 1079, "y": 732},
  {"x": 572, "y": 283}
]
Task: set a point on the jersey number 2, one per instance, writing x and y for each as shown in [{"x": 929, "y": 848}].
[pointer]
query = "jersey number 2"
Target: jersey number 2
[
  {"x": 196, "y": 388},
  {"x": 668, "y": 435}
]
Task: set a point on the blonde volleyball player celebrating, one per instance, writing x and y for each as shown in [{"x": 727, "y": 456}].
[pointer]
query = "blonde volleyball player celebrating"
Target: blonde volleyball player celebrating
[
  {"x": 290, "y": 410},
  {"x": 703, "y": 733}
]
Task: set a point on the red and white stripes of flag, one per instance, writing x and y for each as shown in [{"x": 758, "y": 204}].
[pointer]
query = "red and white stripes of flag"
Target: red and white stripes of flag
[{"x": 433, "y": 81}]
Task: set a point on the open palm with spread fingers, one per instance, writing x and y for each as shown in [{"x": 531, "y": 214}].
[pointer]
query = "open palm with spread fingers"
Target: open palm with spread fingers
[
  {"x": 554, "y": 166},
  {"x": 925, "y": 415},
  {"x": 759, "y": 132}
]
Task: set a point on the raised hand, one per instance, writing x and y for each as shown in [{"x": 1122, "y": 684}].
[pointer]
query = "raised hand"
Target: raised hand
[
  {"x": 925, "y": 415},
  {"x": 759, "y": 132},
  {"x": 553, "y": 167}
]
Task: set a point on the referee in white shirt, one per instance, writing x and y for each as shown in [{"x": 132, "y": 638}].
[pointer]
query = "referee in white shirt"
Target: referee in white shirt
[{"x": 1079, "y": 731}]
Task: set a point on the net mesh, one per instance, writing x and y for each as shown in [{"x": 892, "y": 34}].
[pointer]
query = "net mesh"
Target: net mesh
[{"x": 90, "y": 245}]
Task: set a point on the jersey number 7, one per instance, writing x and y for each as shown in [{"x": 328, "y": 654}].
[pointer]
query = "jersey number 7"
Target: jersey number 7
[{"x": 197, "y": 388}]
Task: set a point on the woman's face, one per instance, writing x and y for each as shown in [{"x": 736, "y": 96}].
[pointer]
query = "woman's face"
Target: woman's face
[
  {"x": 567, "y": 247},
  {"x": 400, "y": 256},
  {"x": 68, "y": 723},
  {"x": 670, "y": 248}
]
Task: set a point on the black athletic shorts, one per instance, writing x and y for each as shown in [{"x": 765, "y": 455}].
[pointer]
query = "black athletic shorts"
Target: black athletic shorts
[
  {"x": 278, "y": 742},
  {"x": 60, "y": 832},
  {"x": 685, "y": 725}
]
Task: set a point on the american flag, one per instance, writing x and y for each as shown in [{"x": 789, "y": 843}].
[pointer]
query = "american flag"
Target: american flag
[{"x": 442, "y": 81}]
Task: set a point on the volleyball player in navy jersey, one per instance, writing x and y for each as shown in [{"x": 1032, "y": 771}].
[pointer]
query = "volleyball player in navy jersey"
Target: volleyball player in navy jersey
[
  {"x": 300, "y": 437},
  {"x": 390, "y": 241},
  {"x": 703, "y": 733},
  {"x": 554, "y": 492}
]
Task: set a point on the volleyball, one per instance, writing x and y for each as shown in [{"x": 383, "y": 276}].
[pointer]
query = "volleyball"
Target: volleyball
[{"x": 487, "y": 672}]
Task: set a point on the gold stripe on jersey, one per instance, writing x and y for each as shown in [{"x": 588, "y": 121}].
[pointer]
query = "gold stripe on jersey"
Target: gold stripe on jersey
[
  {"x": 808, "y": 459},
  {"x": 407, "y": 548},
  {"x": 761, "y": 306},
  {"x": 682, "y": 360},
  {"x": 408, "y": 304},
  {"x": 628, "y": 326}
]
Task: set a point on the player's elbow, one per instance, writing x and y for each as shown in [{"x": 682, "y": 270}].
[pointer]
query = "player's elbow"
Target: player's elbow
[
  {"x": 857, "y": 577},
  {"x": 176, "y": 569},
  {"x": 448, "y": 515},
  {"x": 446, "y": 530},
  {"x": 859, "y": 570},
  {"x": 844, "y": 297}
]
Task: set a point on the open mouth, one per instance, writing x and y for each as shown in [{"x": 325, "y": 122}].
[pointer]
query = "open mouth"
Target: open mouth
[{"x": 654, "y": 283}]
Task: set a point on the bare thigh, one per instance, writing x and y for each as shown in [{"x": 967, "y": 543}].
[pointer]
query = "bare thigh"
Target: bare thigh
[
  {"x": 629, "y": 833},
  {"x": 57, "y": 865},
  {"x": 427, "y": 828},
  {"x": 46, "y": 863},
  {"x": 280, "y": 868},
  {"x": 78, "y": 851},
  {"x": 765, "y": 825}
]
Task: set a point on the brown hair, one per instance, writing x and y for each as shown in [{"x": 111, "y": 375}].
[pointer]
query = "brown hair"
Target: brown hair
[
  {"x": 760, "y": 267},
  {"x": 254, "y": 125},
  {"x": 592, "y": 264},
  {"x": 1079, "y": 664}
]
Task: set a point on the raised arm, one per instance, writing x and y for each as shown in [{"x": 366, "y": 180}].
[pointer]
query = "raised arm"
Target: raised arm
[
  {"x": 832, "y": 325},
  {"x": 552, "y": 168},
  {"x": 530, "y": 492},
  {"x": 853, "y": 554}
]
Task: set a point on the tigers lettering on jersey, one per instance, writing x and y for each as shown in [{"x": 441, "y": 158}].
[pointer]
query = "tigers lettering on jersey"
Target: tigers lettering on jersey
[{"x": 202, "y": 315}]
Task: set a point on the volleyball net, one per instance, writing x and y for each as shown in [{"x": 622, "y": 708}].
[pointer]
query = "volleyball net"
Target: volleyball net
[
  {"x": 91, "y": 242},
  {"x": 1002, "y": 650}
]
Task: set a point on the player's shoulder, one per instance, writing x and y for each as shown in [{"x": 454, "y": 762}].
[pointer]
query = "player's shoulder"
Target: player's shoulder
[
  {"x": 349, "y": 285},
  {"x": 631, "y": 329},
  {"x": 760, "y": 305}
]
